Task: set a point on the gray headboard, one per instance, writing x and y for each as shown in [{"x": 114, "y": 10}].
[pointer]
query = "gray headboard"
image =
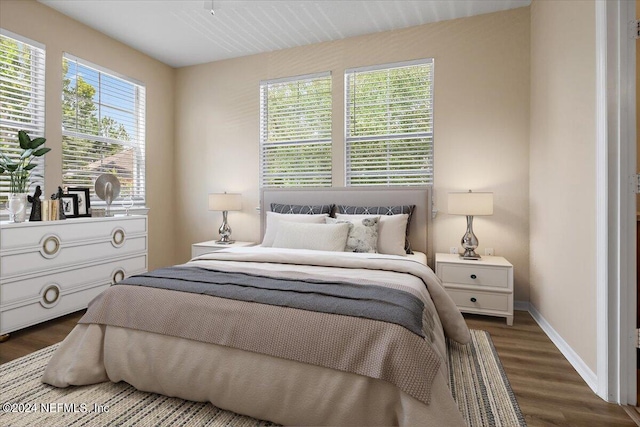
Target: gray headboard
[{"x": 420, "y": 196}]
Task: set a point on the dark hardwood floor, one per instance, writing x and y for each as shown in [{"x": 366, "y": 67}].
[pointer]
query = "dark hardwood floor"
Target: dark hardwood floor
[
  {"x": 550, "y": 392},
  {"x": 36, "y": 337}
]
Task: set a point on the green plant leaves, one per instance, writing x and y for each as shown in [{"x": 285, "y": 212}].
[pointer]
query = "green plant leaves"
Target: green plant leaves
[
  {"x": 24, "y": 140},
  {"x": 36, "y": 142},
  {"x": 19, "y": 167},
  {"x": 41, "y": 151}
]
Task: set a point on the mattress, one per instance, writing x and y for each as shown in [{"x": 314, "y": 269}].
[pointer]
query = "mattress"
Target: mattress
[{"x": 276, "y": 362}]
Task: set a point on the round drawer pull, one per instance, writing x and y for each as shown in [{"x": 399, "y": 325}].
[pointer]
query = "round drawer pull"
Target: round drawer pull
[
  {"x": 118, "y": 275},
  {"x": 473, "y": 299},
  {"x": 50, "y": 296},
  {"x": 118, "y": 237},
  {"x": 473, "y": 276},
  {"x": 50, "y": 246}
]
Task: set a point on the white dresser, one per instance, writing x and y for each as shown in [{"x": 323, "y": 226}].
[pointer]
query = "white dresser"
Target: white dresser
[
  {"x": 482, "y": 286},
  {"x": 49, "y": 269}
]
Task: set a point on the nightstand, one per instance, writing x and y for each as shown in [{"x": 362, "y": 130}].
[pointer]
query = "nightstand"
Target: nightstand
[
  {"x": 484, "y": 286},
  {"x": 198, "y": 249}
]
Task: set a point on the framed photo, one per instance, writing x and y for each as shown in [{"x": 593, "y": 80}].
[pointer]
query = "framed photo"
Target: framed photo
[
  {"x": 83, "y": 200},
  {"x": 69, "y": 205}
]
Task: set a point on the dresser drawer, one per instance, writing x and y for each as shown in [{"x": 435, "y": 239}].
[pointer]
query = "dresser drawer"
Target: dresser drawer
[
  {"x": 66, "y": 281},
  {"x": 59, "y": 257},
  {"x": 71, "y": 230},
  {"x": 479, "y": 300},
  {"x": 22, "y": 316},
  {"x": 474, "y": 275}
]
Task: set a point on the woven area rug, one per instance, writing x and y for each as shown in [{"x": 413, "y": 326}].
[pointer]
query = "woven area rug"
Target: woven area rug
[{"x": 478, "y": 383}]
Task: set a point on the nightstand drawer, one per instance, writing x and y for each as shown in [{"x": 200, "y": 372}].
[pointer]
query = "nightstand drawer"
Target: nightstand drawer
[
  {"x": 479, "y": 300},
  {"x": 474, "y": 275}
]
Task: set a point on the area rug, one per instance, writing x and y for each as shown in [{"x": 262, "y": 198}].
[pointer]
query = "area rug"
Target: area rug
[{"x": 478, "y": 383}]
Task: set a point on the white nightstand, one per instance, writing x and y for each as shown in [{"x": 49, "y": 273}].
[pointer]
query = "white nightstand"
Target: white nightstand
[
  {"x": 482, "y": 287},
  {"x": 198, "y": 249}
]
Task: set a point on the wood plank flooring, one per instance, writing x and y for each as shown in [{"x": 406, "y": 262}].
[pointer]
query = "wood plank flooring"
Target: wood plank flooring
[
  {"x": 550, "y": 392},
  {"x": 36, "y": 337}
]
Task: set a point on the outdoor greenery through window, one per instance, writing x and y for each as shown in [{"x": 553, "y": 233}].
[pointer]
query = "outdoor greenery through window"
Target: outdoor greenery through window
[
  {"x": 389, "y": 124},
  {"x": 295, "y": 132},
  {"x": 22, "y": 63},
  {"x": 103, "y": 128}
]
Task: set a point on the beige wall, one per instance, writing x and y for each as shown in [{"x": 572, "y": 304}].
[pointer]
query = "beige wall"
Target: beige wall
[
  {"x": 61, "y": 34},
  {"x": 481, "y": 126},
  {"x": 562, "y": 170}
]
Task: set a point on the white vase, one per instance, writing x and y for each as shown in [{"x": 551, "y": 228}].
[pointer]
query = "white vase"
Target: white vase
[{"x": 17, "y": 206}]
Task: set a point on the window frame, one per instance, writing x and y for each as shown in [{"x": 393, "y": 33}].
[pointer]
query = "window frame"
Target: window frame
[
  {"x": 138, "y": 141},
  {"x": 324, "y": 176},
  {"x": 36, "y": 127},
  {"x": 428, "y": 176}
]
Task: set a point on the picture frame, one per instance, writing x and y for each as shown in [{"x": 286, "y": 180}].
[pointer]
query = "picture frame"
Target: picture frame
[
  {"x": 69, "y": 205},
  {"x": 84, "y": 202}
]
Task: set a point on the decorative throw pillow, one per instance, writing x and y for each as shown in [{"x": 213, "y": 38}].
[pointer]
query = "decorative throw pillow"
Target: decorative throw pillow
[
  {"x": 274, "y": 219},
  {"x": 301, "y": 209},
  {"x": 382, "y": 210},
  {"x": 319, "y": 237},
  {"x": 363, "y": 236},
  {"x": 391, "y": 231}
]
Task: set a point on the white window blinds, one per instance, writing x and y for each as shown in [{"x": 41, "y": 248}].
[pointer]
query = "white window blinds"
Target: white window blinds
[
  {"x": 103, "y": 128},
  {"x": 22, "y": 63},
  {"x": 389, "y": 124},
  {"x": 295, "y": 132}
]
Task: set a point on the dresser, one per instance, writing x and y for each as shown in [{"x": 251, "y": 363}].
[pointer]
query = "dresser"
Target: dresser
[
  {"x": 201, "y": 248},
  {"x": 49, "y": 269},
  {"x": 482, "y": 286}
]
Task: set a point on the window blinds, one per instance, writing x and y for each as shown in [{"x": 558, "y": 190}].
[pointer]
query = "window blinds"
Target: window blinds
[
  {"x": 295, "y": 131},
  {"x": 389, "y": 124},
  {"x": 103, "y": 128},
  {"x": 22, "y": 64}
]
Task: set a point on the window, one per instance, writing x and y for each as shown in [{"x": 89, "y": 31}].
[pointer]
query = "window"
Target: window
[
  {"x": 389, "y": 124},
  {"x": 295, "y": 132},
  {"x": 103, "y": 128},
  {"x": 21, "y": 99}
]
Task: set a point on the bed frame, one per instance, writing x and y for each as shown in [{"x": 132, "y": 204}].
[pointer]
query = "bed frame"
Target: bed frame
[{"x": 420, "y": 197}]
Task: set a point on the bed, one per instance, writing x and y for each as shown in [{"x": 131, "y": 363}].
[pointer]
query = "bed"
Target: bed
[{"x": 281, "y": 332}]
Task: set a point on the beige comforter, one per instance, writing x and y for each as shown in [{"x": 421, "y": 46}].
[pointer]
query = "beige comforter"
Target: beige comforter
[{"x": 113, "y": 343}]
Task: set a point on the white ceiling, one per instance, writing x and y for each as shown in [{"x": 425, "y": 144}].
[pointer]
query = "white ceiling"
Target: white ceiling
[{"x": 183, "y": 32}]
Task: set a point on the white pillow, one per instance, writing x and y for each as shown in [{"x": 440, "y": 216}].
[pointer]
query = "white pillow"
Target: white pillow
[
  {"x": 319, "y": 237},
  {"x": 363, "y": 236},
  {"x": 391, "y": 231},
  {"x": 274, "y": 219}
]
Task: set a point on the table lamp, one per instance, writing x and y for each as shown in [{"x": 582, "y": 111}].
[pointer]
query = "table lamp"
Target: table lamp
[
  {"x": 225, "y": 202},
  {"x": 470, "y": 204}
]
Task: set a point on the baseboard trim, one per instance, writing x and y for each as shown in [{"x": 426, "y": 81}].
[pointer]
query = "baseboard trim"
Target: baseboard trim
[
  {"x": 521, "y": 305},
  {"x": 576, "y": 361}
]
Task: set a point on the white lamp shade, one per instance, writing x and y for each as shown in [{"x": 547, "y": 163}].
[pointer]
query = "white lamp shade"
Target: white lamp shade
[
  {"x": 225, "y": 202},
  {"x": 470, "y": 203}
]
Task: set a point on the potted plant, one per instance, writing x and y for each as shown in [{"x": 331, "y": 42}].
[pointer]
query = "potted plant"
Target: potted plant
[{"x": 19, "y": 170}]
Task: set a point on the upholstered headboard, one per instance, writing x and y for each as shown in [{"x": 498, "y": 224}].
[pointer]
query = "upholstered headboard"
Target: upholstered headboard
[{"x": 420, "y": 197}]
